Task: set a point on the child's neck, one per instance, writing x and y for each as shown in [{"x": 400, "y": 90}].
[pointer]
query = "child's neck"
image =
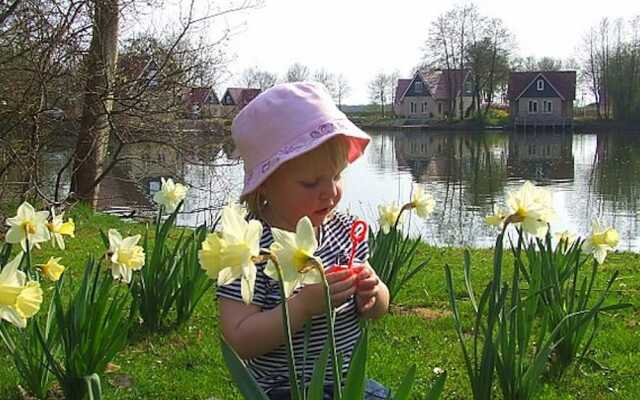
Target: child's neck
[{"x": 275, "y": 221}]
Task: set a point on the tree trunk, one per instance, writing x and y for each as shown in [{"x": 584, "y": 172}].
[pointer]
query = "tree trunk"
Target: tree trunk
[{"x": 93, "y": 138}]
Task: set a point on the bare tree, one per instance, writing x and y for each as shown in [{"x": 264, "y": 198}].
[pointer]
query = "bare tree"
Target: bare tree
[
  {"x": 328, "y": 79},
  {"x": 378, "y": 90},
  {"x": 342, "y": 89},
  {"x": 297, "y": 72},
  {"x": 254, "y": 77}
]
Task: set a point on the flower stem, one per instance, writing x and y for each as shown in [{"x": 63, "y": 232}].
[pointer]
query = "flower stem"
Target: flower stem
[
  {"x": 330, "y": 315},
  {"x": 286, "y": 323}
]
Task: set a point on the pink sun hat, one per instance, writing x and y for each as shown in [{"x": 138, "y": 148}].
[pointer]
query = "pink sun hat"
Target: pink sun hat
[{"x": 286, "y": 121}]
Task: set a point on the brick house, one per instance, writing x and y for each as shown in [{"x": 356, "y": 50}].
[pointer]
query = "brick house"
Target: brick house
[
  {"x": 427, "y": 94},
  {"x": 202, "y": 102},
  {"x": 543, "y": 98},
  {"x": 234, "y": 99}
]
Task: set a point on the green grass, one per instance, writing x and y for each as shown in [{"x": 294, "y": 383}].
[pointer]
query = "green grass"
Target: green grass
[{"x": 186, "y": 363}]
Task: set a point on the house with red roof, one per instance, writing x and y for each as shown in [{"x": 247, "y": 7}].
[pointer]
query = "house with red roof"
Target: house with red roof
[
  {"x": 202, "y": 102},
  {"x": 429, "y": 93},
  {"x": 234, "y": 99},
  {"x": 542, "y": 98}
]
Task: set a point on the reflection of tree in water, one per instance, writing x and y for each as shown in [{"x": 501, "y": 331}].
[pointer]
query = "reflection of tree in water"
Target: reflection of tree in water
[
  {"x": 470, "y": 173},
  {"x": 541, "y": 156},
  {"x": 615, "y": 176}
]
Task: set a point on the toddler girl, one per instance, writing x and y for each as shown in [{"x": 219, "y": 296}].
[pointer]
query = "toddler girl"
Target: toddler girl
[{"x": 295, "y": 143}]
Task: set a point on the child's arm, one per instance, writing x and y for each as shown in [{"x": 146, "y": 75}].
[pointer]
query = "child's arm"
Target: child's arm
[
  {"x": 372, "y": 295},
  {"x": 252, "y": 332}
]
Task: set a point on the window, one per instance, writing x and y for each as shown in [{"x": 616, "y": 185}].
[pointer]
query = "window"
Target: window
[
  {"x": 413, "y": 107},
  {"x": 418, "y": 87},
  {"x": 546, "y": 106},
  {"x": 426, "y": 106},
  {"x": 439, "y": 108},
  {"x": 533, "y": 106},
  {"x": 540, "y": 85},
  {"x": 422, "y": 107}
]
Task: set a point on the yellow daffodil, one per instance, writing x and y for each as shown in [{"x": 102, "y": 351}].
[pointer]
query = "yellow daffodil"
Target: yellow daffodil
[
  {"x": 421, "y": 201},
  {"x": 532, "y": 208},
  {"x": 170, "y": 194},
  {"x": 600, "y": 242},
  {"x": 210, "y": 255},
  {"x": 388, "y": 216},
  {"x": 58, "y": 228},
  {"x": 52, "y": 270},
  {"x": 125, "y": 255},
  {"x": 28, "y": 224},
  {"x": 19, "y": 299},
  {"x": 239, "y": 247},
  {"x": 294, "y": 253}
]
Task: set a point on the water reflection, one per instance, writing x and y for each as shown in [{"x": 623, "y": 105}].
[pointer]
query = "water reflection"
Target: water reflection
[{"x": 591, "y": 176}]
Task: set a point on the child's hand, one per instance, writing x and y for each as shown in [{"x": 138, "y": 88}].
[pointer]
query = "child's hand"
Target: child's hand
[
  {"x": 341, "y": 286},
  {"x": 367, "y": 288}
]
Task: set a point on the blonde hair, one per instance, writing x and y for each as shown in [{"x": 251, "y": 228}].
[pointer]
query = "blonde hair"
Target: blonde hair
[{"x": 334, "y": 151}]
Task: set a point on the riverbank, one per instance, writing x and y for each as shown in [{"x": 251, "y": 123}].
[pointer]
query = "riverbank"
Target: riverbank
[{"x": 186, "y": 363}]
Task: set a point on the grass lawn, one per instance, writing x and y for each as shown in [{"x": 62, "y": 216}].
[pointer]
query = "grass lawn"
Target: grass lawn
[{"x": 186, "y": 363}]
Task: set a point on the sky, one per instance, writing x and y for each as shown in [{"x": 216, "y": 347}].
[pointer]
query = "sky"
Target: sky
[{"x": 359, "y": 38}]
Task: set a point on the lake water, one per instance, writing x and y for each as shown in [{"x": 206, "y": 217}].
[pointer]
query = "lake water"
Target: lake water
[
  {"x": 590, "y": 175},
  {"x": 469, "y": 174}
]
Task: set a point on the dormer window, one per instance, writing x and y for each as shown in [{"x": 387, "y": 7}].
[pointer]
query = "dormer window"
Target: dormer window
[
  {"x": 418, "y": 86},
  {"x": 540, "y": 85}
]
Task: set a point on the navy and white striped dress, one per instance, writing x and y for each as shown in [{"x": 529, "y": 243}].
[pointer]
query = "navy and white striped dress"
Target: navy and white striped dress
[{"x": 334, "y": 246}]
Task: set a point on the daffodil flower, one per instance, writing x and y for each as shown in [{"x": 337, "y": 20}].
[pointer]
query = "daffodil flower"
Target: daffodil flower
[
  {"x": 52, "y": 270},
  {"x": 28, "y": 225},
  {"x": 239, "y": 248},
  {"x": 210, "y": 256},
  {"x": 388, "y": 216},
  {"x": 294, "y": 253},
  {"x": 125, "y": 255},
  {"x": 19, "y": 299},
  {"x": 566, "y": 237},
  {"x": 600, "y": 242},
  {"x": 170, "y": 194},
  {"x": 532, "y": 208},
  {"x": 58, "y": 228},
  {"x": 422, "y": 202},
  {"x": 496, "y": 219}
]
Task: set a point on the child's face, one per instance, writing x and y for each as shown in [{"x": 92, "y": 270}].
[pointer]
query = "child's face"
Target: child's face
[{"x": 302, "y": 187}]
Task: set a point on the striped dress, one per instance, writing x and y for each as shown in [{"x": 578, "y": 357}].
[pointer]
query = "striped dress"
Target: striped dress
[{"x": 334, "y": 246}]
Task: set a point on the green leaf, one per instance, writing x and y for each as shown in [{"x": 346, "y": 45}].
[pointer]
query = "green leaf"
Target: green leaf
[
  {"x": 247, "y": 385},
  {"x": 437, "y": 387},
  {"x": 356, "y": 382},
  {"x": 316, "y": 387},
  {"x": 405, "y": 386},
  {"x": 93, "y": 386}
]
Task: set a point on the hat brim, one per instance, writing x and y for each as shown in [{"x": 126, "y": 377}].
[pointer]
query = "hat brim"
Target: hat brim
[{"x": 358, "y": 141}]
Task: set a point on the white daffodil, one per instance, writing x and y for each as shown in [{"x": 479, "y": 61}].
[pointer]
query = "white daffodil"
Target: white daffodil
[
  {"x": 421, "y": 201},
  {"x": 497, "y": 219},
  {"x": 532, "y": 207},
  {"x": 52, "y": 270},
  {"x": 388, "y": 215},
  {"x": 240, "y": 246},
  {"x": 57, "y": 228},
  {"x": 125, "y": 255},
  {"x": 170, "y": 194},
  {"x": 28, "y": 225},
  {"x": 294, "y": 253},
  {"x": 600, "y": 242},
  {"x": 211, "y": 254},
  {"x": 19, "y": 299},
  {"x": 566, "y": 237}
]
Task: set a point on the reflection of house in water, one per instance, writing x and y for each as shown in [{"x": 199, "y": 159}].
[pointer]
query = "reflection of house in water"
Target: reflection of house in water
[
  {"x": 541, "y": 156},
  {"x": 443, "y": 156}
]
